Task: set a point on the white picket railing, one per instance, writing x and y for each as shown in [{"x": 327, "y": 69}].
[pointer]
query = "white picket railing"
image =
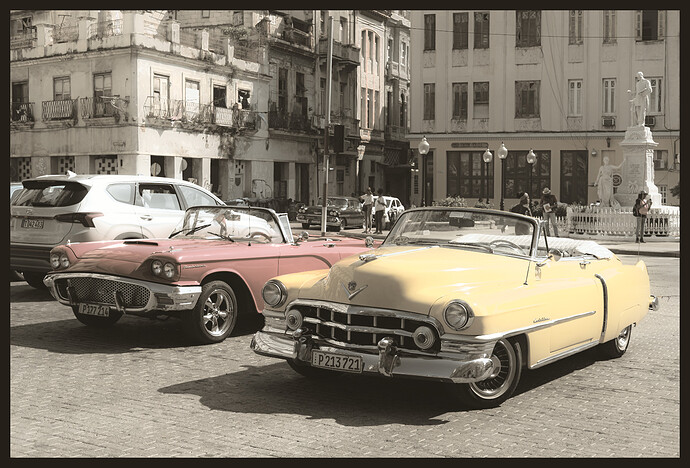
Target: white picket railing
[{"x": 620, "y": 222}]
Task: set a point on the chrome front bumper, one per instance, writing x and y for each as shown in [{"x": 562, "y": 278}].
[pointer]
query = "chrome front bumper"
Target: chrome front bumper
[
  {"x": 162, "y": 297},
  {"x": 390, "y": 362}
]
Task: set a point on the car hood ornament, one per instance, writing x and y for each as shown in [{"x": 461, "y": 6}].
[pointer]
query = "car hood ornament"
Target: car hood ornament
[{"x": 351, "y": 289}]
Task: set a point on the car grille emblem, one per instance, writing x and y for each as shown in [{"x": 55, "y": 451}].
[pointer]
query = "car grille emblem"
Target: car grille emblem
[{"x": 351, "y": 289}]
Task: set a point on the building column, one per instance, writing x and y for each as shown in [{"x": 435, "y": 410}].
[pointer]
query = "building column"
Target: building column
[
  {"x": 134, "y": 164},
  {"x": 204, "y": 173},
  {"x": 292, "y": 181}
]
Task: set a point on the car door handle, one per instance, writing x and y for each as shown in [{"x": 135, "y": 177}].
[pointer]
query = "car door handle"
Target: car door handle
[
  {"x": 329, "y": 245},
  {"x": 584, "y": 263},
  {"x": 146, "y": 217}
]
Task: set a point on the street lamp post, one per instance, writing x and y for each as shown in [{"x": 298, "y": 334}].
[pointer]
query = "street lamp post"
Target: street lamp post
[
  {"x": 531, "y": 159},
  {"x": 502, "y": 154},
  {"x": 487, "y": 156},
  {"x": 423, "y": 149}
]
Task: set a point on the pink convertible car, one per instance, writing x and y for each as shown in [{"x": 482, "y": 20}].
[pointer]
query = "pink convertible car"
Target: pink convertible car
[{"x": 210, "y": 269}]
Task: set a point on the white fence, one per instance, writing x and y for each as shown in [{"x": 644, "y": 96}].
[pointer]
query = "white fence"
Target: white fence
[{"x": 620, "y": 222}]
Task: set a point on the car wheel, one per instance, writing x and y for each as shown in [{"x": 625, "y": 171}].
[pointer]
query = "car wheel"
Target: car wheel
[
  {"x": 215, "y": 314},
  {"x": 501, "y": 384},
  {"x": 617, "y": 347},
  {"x": 305, "y": 225},
  {"x": 94, "y": 321},
  {"x": 311, "y": 372},
  {"x": 34, "y": 279}
]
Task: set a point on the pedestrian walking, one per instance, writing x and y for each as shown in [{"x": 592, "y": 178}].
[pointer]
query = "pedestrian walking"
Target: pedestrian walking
[
  {"x": 548, "y": 204},
  {"x": 640, "y": 210},
  {"x": 368, "y": 201},
  {"x": 522, "y": 207},
  {"x": 379, "y": 210}
]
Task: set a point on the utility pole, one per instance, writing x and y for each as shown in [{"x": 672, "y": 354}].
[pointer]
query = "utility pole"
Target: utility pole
[{"x": 327, "y": 126}]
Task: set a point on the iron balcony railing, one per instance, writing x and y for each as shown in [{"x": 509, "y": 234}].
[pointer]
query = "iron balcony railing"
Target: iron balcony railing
[
  {"x": 24, "y": 39},
  {"x": 105, "y": 29},
  {"x": 194, "y": 113},
  {"x": 60, "y": 110},
  {"x": 92, "y": 107},
  {"x": 288, "y": 121},
  {"x": 22, "y": 112}
]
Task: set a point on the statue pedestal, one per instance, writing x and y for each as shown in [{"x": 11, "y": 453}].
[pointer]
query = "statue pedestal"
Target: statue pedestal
[{"x": 637, "y": 172}]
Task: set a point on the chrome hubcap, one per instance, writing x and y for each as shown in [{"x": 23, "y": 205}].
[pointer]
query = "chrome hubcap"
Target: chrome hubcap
[
  {"x": 218, "y": 312},
  {"x": 623, "y": 338},
  {"x": 504, "y": 361}
]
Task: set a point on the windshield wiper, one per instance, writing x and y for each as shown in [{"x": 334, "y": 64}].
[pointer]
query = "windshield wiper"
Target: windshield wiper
[
  {"x": 191, "y": 231},
  {"x": 222, "y": 236}
]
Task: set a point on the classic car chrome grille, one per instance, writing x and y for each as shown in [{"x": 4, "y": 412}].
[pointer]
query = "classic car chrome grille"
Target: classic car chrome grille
[
  {"x": 362, "y": 328},
  {"x": 100, "y": 291}
]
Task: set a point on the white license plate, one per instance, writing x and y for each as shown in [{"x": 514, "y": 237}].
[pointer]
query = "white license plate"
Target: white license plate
[
  {"x": 32, "y": 223},
  {"x": 93, "y": 309},
  {"x": 336, "y": 361}
]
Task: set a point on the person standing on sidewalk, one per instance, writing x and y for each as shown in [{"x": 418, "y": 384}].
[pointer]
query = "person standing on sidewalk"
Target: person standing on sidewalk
[
  {"x": 640, "y": 210},
  {"x": 379, "y": 210},
  {"x": 548, "y": 204},
  {"x": 368, "y": 200}
]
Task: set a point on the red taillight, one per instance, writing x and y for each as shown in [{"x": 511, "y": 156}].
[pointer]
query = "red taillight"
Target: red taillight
[{"x": 86, "y": 219}]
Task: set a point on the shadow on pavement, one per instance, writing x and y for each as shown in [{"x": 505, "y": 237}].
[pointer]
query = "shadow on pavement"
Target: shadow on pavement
[
  {"x": 22, "y": 292},
  {"x": 129, "y": 334},
  {"x": 349, "y": 399}
]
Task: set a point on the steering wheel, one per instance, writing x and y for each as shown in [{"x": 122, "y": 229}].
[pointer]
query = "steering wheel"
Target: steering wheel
[
  {"x": 498, "y": 243},
  {"x": 259, "y": 234}
]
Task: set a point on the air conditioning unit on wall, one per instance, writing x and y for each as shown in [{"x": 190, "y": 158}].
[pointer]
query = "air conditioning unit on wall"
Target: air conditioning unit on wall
[{"x": 608, "y": 121}]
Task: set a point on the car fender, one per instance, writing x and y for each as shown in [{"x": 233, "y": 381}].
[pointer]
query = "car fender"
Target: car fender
[{"x": 625, "y": 305}]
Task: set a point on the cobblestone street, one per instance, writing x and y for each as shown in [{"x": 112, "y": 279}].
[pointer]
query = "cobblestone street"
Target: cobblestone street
[{"x": 140, "y": 390}]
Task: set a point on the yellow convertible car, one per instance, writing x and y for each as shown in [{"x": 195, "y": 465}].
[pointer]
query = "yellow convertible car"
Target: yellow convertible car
[{"x": 463, "y": 295}]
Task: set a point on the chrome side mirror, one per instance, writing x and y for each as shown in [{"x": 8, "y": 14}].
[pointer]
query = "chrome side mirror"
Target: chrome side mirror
[
  {"x": 555, "y": 255},
  {"x": 304, "y": 236},
  {"x": 369, "y": 241}
]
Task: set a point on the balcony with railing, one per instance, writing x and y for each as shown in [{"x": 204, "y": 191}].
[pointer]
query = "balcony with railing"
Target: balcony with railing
[
  {"x": 103, "y": 29},
  {"x": 61, "y": 110},
  {"x": 344, "y": 54},
  {"x": 22, "y": 113},
  {"x": 190, "y": 114},
  {"x": 296, "y": 36},
  {"x": 96, "y": 107},
  {"x": 24, "y": 39},
  {"x": 66, "y": 33},
  {"x": 288, "y": 121}
]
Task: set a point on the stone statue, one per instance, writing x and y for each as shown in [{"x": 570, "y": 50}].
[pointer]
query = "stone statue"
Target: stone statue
[
  {"x": 604, "y": 183},
  {"x": 640, "y": 101}
]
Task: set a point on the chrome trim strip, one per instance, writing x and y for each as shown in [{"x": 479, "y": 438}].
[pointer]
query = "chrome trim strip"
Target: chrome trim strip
[
  {"x": 606, "y": 305},
  {"x": 556, "y": 357},
  {"x": 516, "y": 331},
  {"x": 356, "y": 328},
  {"x": 363, "y": 310}
]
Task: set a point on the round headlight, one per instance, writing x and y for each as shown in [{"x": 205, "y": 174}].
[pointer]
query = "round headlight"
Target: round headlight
[
  {"x": 168, "y": 270},
  {"x": 157, "y": 267},
  {"x": 458, "y": 315},
  {"x": 293, "y": 319},
  {"x": 274, "y": 293},
  {"x": 64, "y": 261},
  {"x": 55, "y": 260},
  {"x": 424, "y": 337}
]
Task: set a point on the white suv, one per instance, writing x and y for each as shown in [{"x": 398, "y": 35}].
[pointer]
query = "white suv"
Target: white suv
[{"x": 57, "y": 209}]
